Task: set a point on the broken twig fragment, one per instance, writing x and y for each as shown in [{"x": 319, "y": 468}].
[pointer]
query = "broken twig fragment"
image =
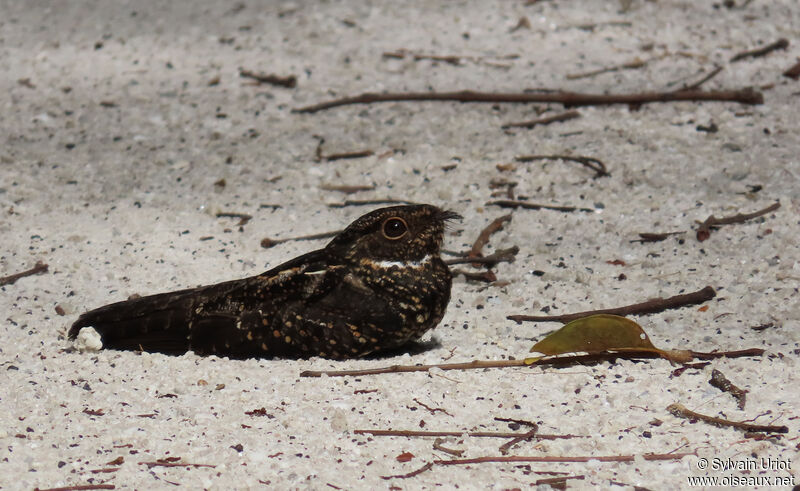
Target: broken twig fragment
[
  {"x": 592, "y": 163},
  {"x": 556, "y": 118},
  {"x": 369, "y": 202},
  {"x": 243, "y": 217},
  {"x": 680, "y": 411},
  {"x": 568, "y": 99},
  {"x": 473, "y": 434},
  {"x": 649, "y": 307},
  {"x": 782, "y": 43},
  {"x": 655, "y": 237},
  {"x": 483, "y": 238},
  {"x": 712, "y": 222},
  {"x": 569, "y": 360},
  {"x": 793, "y": 72},
  {"x": 38, "y": 268},
  {"x": 507, "y": 203},
  {"x": 345, "y": 188},
  {"x": 721, "y": 382},
  {"x": 637, "y": 63},
  {"x": 553, "y": 458},
  {"x": 266, "y": 242},
  {"x": 289, "y": 82},
  {"x": 499, "y": 256},
  {"x": 358, "y": 154}
]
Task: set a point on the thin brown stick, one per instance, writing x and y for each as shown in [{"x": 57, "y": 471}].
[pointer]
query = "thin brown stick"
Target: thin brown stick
[
  {"x": 592, "y": 163},
  {"x": 556, "y": 118},
  {"x": 649, "y": 307},
  {"x": 370, "y": 202},
  {"x": 360, "y": 154},
  {"x": 437, "y": 445},
  {"x": 165, "y": 463},
  {"x": 559, "y": 360},
  {"x": 499, "y": 256},
  {"x": 704, "y": 230},
  {"x": 727, "y": 354},
  {"x": 483, "y": 238},
  {"x": 507, "y": 203},
  {"x": 289, "y": 82},
  {"x": 755, "y": 53},
  {"x": 38, "y": 268},
  {"x": 243, "y": 217},
  {"x": 569, "y": 99},
  {"x": 637, "y": 63},
  {"x": 680, "y": 411},
  {"x": 713, "y": 73},
  {"x": 531, "y": 434},
  {"x": 400, "y": 54},
  {"x": 721, "y": 382},
  {"x": 417, "y": 472},
  {"x": 557, "y": 482},
  {"x": 79, "y": 487},
  {"x": 472, "y": 434},
  {"x": 266, "y": 242},
  {"x": 347, "y": 189},
  {"x": 793, "y": 72},
  {"x": 482, "y": 276},
  {"x": 655, "y": 237},
  {"x": 564, "y": 459},
  {"x": 319, "y": 156}
]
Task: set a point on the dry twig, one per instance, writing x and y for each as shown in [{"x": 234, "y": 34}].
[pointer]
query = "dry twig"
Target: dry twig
[
  {"x": 655, "y": 237},
  {"x": 172, "y": 462},
  {"x": 499, "y": 256},
  {"x": 483, "y": 238},
  {"x": 721, "y": 382},
  {"x": 782, "y": 43},
  {"x": 680, "y": 411},
  {"x": 592, "y": 163},
  {"x": 417, "y": 472},
  {"x": 79, "y": 487},
  {"x": 565, "y": 116},
  {"x": 569, "y": 99},
  {"x": 38, "y": 268},
  {"x": 369, "y": 202},
  {"x": 472, "y": 434},
  {"x": 243, "y": 217},
  {"x": 637, "y": 63},
  {"x": 793, "y": 72},
  {"x": 346, "y": 189},
  {"x": 713, "y": 73},
  {"x": 289, "y": 82},
  {"x": 704, "y": 230},
  {"x": 266, "y": 242},
  {"x": 437, "y": 445},
  {"x": 561, "y": 360},
  {"x": 649, "y": 307},
  {"x": 507, "y": 203},
  {"x": 564, "y": 459}
]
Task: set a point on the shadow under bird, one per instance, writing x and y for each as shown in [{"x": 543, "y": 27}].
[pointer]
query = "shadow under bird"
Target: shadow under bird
[{"x": 378, "y": 285}]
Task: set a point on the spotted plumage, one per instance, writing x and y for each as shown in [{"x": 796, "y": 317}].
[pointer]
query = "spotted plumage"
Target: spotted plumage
[{"x": 377, "y": 285}]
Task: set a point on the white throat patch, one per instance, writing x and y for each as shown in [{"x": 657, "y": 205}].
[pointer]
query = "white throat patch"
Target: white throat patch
[{"x": 402, "y": 264}]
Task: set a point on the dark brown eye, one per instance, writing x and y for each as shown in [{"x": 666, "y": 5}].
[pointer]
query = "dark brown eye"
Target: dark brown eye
[{"x": 394, "y": 228}]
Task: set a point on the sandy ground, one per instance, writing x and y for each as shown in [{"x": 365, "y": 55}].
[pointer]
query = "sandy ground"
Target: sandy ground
[{"x": 120, "y": 121}]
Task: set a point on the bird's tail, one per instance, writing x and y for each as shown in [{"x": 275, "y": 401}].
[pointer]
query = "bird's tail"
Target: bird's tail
[{"x": 159, "y": 323}]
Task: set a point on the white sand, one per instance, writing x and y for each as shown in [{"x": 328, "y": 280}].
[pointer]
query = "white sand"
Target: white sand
[{"x": 112, "y": 140}]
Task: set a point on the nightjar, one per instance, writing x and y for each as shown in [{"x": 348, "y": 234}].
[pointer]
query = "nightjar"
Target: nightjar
[{"x": 377, "y": 285}]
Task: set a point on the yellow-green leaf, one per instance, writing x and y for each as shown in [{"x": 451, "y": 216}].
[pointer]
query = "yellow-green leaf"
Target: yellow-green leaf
[{"x": 597, "y": 334}]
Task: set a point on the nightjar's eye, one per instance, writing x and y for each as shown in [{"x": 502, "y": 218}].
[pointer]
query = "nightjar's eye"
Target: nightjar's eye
[{"x": 394, "y": 228}]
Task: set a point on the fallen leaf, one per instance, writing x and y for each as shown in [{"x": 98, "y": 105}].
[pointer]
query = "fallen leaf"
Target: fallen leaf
[{"x": 602, "y": 333}]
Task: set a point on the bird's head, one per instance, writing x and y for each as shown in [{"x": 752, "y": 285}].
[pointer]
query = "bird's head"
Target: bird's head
[{"x": 397, "y": 233}]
